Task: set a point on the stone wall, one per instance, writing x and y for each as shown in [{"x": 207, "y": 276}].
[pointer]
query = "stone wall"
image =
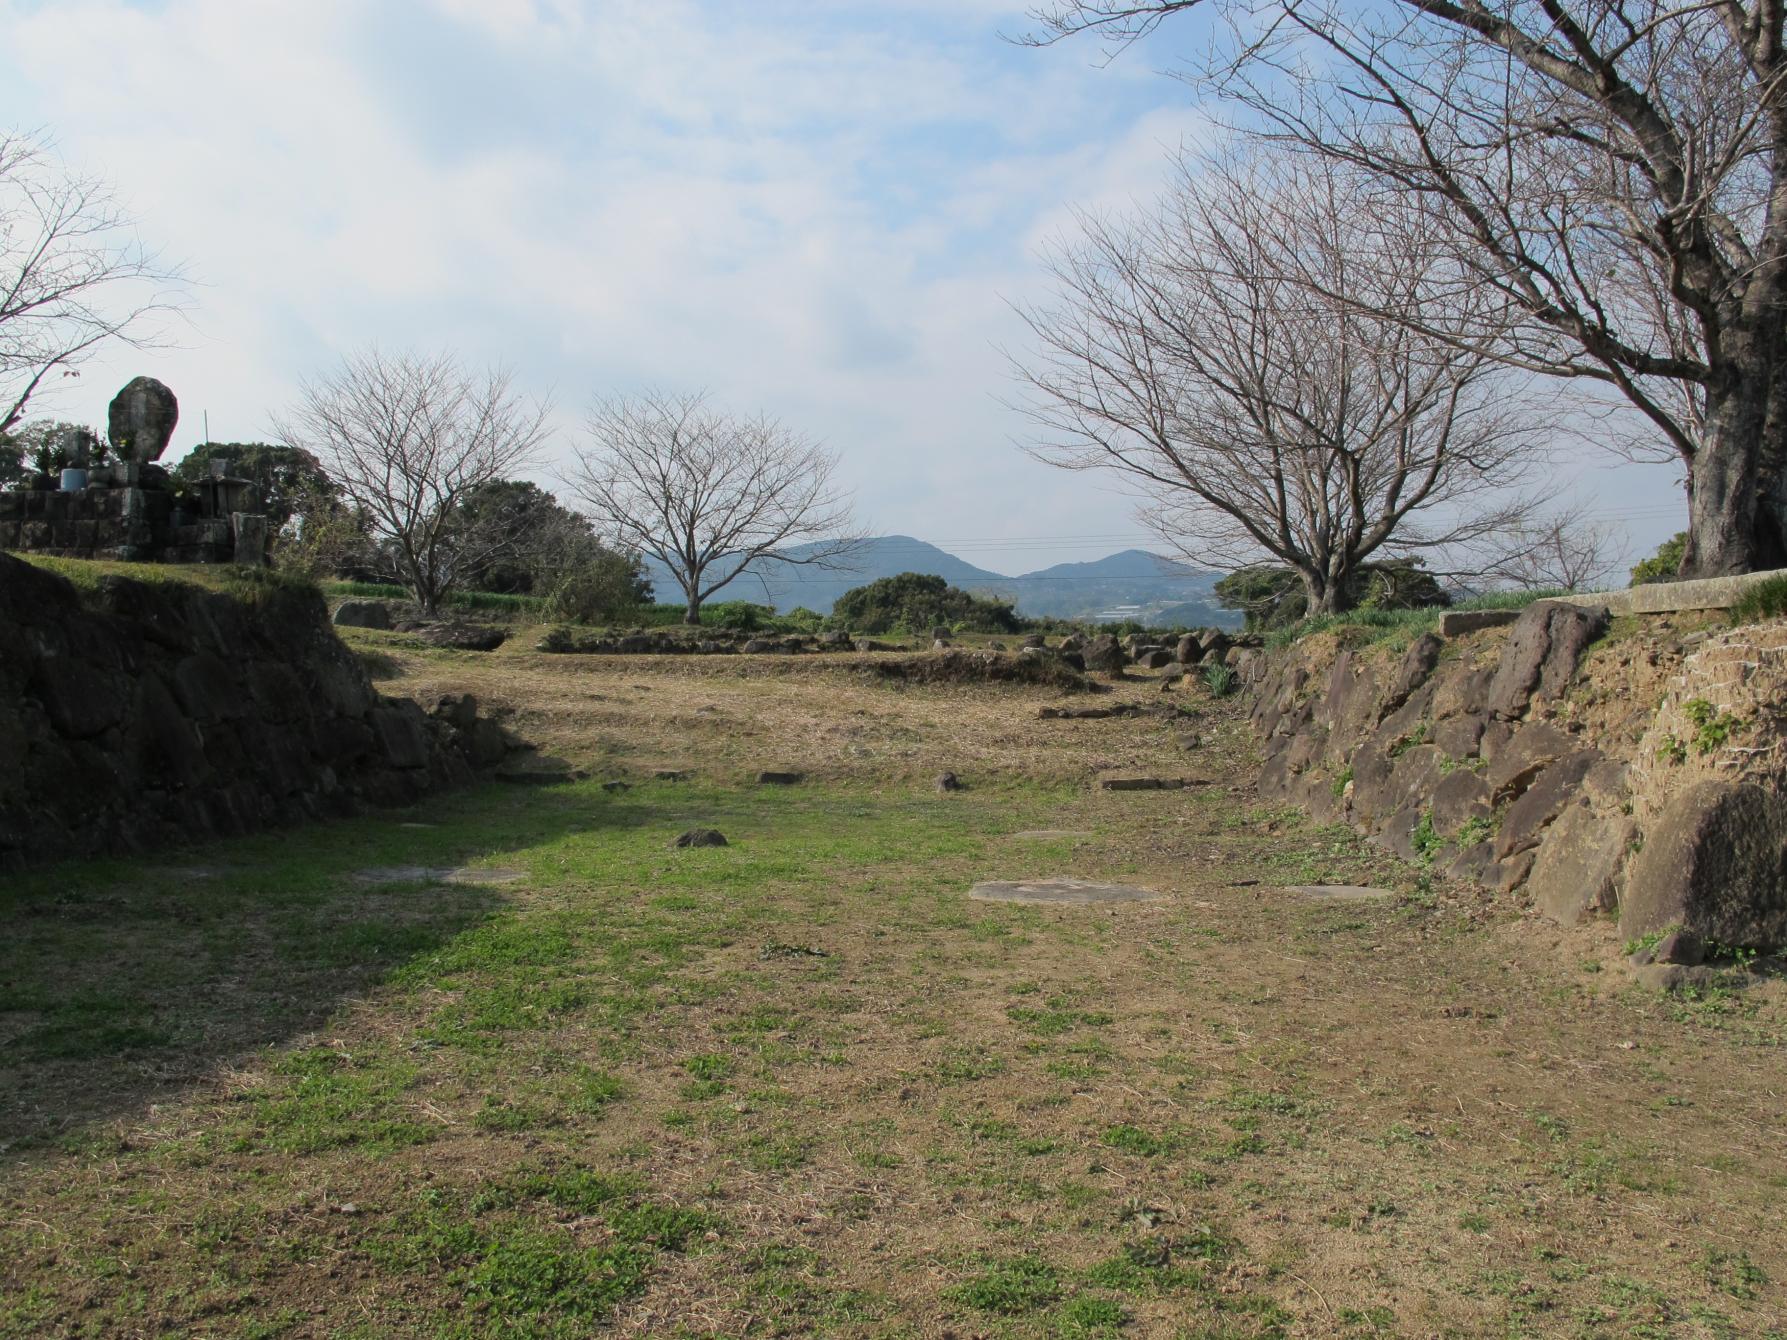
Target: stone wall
[
  {"x": 141, "y": 715},
  {"x": 129, "y": 524},
  {"x": 1637, "y": 776}
]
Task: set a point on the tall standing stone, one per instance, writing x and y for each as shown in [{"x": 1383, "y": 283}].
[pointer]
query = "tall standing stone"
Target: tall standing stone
[{"x": 141, "y": 419}]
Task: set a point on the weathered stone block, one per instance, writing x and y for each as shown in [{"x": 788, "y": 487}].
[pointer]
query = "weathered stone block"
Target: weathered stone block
[
  {"x": 401, "y": 736},
  {"x": 1531, "y": 749},
  {"x": 1541, "y": 655},
  {"x": 208, "y": 690},
  {"x": 362, "y": 614},
  {"x": 1458, "y": 736},
  {"x": 1714, "y": 862},
  {"x": 1579, "y": 864},
  {"x": 1457, "y": 799},
  {"x": 1553, "y": 788},
  {"x": 1416, "y": 665}
]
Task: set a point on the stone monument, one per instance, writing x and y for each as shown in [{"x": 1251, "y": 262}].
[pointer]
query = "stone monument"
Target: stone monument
[{"x": 141, "y": 420}]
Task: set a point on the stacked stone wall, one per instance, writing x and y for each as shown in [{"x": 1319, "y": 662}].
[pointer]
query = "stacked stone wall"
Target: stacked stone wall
[
  {"x": 128, "y": 524},
  {"x": 142, "y": 715},
  {"x": 1509, "y": 758}
]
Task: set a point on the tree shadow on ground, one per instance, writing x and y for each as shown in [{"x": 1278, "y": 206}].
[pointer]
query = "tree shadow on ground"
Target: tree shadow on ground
[{"x": 124, "y": 980}]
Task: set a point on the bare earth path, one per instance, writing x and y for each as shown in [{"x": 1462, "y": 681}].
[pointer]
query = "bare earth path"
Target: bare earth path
[{"x": 803, "y": 1085}]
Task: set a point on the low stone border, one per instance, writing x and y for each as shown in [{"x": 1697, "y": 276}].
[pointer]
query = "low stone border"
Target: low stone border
[{"x": 1709, "y": 593}]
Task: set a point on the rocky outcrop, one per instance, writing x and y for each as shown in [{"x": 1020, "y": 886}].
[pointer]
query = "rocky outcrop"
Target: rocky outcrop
[
  {"x": 141, "y": 715},
  {"x": 1476, "y": 754}
]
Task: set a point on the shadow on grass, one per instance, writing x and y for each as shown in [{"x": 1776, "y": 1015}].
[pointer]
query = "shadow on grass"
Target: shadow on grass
[{"x": 121, "y": 980}]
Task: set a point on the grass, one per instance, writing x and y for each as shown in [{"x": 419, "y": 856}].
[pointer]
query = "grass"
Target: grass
[
  {"x": 801, "y": 1085},
  {"x": 1397, "y": 628},
  {"x": 1765, "y": 600}
]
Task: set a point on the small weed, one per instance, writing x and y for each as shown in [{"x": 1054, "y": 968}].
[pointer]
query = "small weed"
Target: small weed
[
  {"x": 1010, "y": 1288},
  {"x": 1426, "y": 842},
  {"x": 1219, "y": 679},
  {"x": 1478, "y": 828},
  {"x": 1712, "y": 728},
  {"x": 1732, "y": 1273},
  {"x": 1415, "y": 738},
  {"x": 1649, "y": 940},
  {"x": 1134, "y": 1140},
  {"x": 1342, "y": 780},
  {"x": 1085, "y": 1315}
]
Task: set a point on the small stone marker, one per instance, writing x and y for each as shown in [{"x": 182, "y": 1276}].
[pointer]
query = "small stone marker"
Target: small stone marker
[
  {"x": 779, "y": 778},
  {"x": 409, "y": 874},
  {"x": 1340, "y": 893},
  {"x": 948, "y": 781},
  {"x": 701, "y": 837},
  {"x": 1060, "y": 890}
]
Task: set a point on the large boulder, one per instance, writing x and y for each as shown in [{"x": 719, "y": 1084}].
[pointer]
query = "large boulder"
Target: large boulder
[
  {"x": 1579, "y": 864},
  {"x": 1105, "y": 653},
  {"x": 1541, "y": 655},
  {"x": 141, "y": 419},
  {"x": 1524, "y": 821},
  {"x": 1713, "y": 862},
  {"x": 363, "y": 614},
  {"x": 1416, "y": 665}
]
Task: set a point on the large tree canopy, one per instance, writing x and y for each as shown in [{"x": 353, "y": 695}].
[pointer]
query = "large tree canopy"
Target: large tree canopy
[
  {"x": 1615, "y": 169},
  {"x": 1242, "y": 354},
  {"x": 290, "y": 480}
]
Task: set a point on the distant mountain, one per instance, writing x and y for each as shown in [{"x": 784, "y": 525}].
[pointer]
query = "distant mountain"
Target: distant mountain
[
  {"x": 1108, "y": 585},
  {"x": 789, "y": 585},
  {"x": 1132, "y": 584}
]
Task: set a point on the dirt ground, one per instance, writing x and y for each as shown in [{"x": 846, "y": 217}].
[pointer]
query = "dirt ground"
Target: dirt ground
[{"x": 802, "y": 1085}]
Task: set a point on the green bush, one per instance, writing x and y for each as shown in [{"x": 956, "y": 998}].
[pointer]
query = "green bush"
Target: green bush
[
  {"x": 918, "y": 602},
  {"x": 1665, "y": 565},
  {"x": 1271, "y": 597}
]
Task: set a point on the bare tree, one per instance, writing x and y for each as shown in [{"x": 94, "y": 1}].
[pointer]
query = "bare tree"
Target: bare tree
[
  {"x": 1616, "y": 168},
  {"x": 1567, "y": 550},
  {"x": 707, "y": 493},
  {"x": 72, "y": 274},
  {"x": 408, "y": 438},
  {"x": 1238, "y": 354}
]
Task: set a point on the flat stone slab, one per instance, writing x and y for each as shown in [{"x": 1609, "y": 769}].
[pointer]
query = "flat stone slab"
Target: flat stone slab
[
  {"x": 439, "y": 874},
  {"x": 1050, "y": 834},
  {"x": 1063, "y": 890},
  {"x": 1148, "y": 783},
  {"x": 1340, "y": 893}
]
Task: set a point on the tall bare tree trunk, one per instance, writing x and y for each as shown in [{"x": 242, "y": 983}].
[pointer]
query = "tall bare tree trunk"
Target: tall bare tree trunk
[{"x": 1735, "y": 519}]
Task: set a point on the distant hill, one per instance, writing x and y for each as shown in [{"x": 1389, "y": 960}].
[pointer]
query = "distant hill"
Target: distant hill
[
  {"x": 1130, "y": 584},
  {"x": 1132, "y": 577}
]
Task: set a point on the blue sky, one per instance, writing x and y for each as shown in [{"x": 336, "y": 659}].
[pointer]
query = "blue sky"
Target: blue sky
[{"x": 818, "y": 208}]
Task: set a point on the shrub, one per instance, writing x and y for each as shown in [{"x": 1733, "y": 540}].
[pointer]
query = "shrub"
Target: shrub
[
  {"x": 1272, "y": 597},
  {"x": 919, "y": 601},
  {"x": 1665, "y": 564},
  {"x": 605, "y": 587},
  {"x": 1219, "y": 679}
]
